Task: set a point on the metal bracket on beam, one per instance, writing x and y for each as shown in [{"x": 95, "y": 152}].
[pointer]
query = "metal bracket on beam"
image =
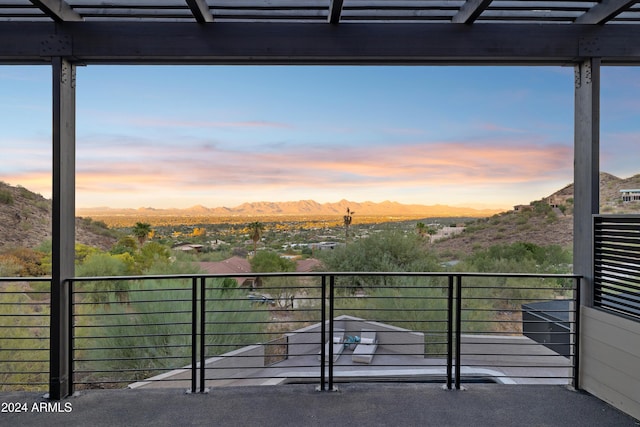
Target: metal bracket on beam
[
  {"x": 589, "y": 46},
  {"x": 583, "y": 74},
  {"x": 68, "y": 75},
  {"x": 56, "y": 45}
]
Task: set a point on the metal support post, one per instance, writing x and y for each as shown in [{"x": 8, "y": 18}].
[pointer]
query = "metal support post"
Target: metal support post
[
  {"x": 450, "y": 334},
  {"x": 586, "y": 170},
  {"x": 203, "y": 333},
  {"x": 323, "y": 330},
  {"x": 458, "y": 328},
  {"x": 63, "y": 225},
  {"x": 332, "y": 282},
  {"x": 194, "y": 332}
]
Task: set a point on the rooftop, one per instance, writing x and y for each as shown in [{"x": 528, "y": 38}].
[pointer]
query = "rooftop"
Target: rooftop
[{"x": 486, "y": 358}]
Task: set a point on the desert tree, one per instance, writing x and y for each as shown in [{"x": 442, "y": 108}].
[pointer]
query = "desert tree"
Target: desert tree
[
  {"x": 141, "y": 230},
  {"x": 282, "y": 288},
  {"x": 255, "y": 233},
  {"x": 348, "y": 218},
  {"x": 126, "y": 244}
]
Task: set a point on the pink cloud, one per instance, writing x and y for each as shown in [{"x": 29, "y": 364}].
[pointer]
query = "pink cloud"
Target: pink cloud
[{"x": 206, "y": 167}]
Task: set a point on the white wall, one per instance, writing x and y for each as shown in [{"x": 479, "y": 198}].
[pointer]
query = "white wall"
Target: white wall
[{"x": 610, "y": 359}]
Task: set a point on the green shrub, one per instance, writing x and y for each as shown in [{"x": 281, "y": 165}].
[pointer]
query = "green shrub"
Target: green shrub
[
  {"x": 150, "y": 333},
  {"x": 43, "y": 205},
  {"x": 388, "y": 251},
  {"x": 24, "y": 341},
  {"x": 6, "y": 197},
  {"x": 518, "y": 257},
  {"x": 98, "y": 227},
  {"x": 29, "y": 195}
]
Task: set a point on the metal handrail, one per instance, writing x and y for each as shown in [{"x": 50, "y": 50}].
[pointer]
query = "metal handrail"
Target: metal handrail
[{"x": 198, "y": 338}]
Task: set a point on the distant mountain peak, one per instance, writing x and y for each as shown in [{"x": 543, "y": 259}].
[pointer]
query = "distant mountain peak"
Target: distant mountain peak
[{"x": 308, "y": 207}]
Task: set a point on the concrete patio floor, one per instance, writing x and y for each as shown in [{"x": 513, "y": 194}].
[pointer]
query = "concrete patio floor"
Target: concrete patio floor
[{"x": 364, "y": 404}]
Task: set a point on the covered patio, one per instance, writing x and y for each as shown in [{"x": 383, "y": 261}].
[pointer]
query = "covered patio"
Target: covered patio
[{"x": 585, "y": 35}]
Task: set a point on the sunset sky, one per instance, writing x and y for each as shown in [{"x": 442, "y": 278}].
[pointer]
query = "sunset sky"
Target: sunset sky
[{"x": 485, "y": 137}]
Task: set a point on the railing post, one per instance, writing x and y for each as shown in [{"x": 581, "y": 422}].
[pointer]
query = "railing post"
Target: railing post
[
  {"x": 194, "y": 332},
  {"x": 323, "y": 330},
  {"x": 71, "y": 337},
  {"x": 332, "y": 280},
  {"x": 576, "y": 334},
  {"x": 458, "y": 327},
  {"x": 203, "y": 333},
  {"x": 450, "y": 333}
]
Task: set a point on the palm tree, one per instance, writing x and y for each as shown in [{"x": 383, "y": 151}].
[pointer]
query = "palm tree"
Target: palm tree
[
  {"x": 141, "y": 230},
  {"x": 421, "y": 228},
  {"x": 347, "y": 222},
  {"x": 255, "y": 233}
]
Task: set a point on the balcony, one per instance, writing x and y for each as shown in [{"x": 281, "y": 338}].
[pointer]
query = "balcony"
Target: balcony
[
  {"x": 150, "y": 339},
  {"x": 160, "y": 336},
  {"x": 192, "y": 332},
  {"x": 608, "y": 349}
]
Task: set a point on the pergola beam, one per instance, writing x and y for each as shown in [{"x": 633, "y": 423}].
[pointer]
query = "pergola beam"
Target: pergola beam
[
  {"x": 335, "y": 10},
  {"x": 58, "y": 10},
  {"x": 293, "y": 43},
  {"x": 200, "y": 11},
  {"x": 470, "y": 11},
  {"x": 604, "y": 11}
]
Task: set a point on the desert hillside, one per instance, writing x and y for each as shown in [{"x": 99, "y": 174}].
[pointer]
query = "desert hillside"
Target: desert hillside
[
  {"x": 25, "y": 221},
  {"x": 544, "y": 222}
]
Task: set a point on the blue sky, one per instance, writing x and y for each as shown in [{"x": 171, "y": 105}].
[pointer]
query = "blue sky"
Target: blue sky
[{"x": 218, "y": 136}]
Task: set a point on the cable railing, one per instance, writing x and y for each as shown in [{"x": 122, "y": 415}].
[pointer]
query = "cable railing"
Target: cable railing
[
  {"x": 24, "y": 333},
  {"x": 196, "y": 332}
]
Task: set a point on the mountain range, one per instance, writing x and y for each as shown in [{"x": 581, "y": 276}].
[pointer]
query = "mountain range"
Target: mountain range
[
  {"x": 299, "y": 208},
  {"x": 610, "y": 187},
  {"x": 25, "y": 217}
]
